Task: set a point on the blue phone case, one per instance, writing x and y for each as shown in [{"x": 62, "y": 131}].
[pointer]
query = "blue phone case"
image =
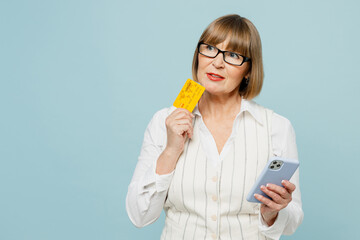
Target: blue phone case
[{"x": 272, "y": 173}]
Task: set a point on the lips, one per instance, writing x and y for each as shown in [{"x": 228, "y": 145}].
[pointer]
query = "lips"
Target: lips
[{"x": 214, "y": 77}]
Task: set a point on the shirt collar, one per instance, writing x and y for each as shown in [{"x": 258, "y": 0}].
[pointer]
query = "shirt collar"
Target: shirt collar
[
  {"x": 253, "y": 108},
  {"x": 246, "y": 105}
]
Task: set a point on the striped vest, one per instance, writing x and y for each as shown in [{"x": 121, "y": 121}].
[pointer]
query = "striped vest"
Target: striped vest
[{"x": 208, "y": 201}]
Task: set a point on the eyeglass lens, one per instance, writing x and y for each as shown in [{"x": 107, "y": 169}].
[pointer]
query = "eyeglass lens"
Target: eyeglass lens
[{"x": 229, "y": 57}]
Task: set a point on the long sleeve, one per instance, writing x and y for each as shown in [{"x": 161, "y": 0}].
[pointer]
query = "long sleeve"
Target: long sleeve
[
  {"x": 284, "y": 145},
  {"x": 147, "y": 190}
]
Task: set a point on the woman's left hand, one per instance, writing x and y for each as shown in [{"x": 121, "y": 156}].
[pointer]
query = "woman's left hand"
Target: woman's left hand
[{"x": 281, "y": 197}]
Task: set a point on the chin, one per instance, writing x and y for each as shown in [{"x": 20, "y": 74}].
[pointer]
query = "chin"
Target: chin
[{"x": 213, "y": 90}]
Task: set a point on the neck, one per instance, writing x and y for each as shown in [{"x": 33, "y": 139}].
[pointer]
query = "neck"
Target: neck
[{"x": 219, "y": 107}]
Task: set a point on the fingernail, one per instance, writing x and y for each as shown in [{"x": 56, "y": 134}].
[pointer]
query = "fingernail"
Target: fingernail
[
  {"x": 262, "y": 187},
  {"x": 267, "y": 185}
]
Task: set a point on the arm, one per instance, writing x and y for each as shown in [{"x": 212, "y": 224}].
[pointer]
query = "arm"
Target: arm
[
  {"x": 288, "y": 216},
  {"x": 147, "y": 190},
  {"x": 152, "y": 177}
]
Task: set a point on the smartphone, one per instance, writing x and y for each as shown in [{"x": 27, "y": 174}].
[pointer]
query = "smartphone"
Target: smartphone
[{"x": 276, "y": 170}]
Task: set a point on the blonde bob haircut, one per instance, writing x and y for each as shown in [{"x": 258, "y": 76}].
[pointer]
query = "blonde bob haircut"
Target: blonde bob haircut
[{"x": 244, "y": 39}]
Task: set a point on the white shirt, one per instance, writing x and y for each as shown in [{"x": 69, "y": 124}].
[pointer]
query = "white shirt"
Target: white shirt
[{"x": 147, "y": 190}]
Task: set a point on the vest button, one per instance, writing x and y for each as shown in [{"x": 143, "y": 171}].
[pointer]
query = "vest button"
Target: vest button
[
  {"x": 214, "y": 178},
  {"x": 214, "y": 198},
  {"x": 213, "y": 217},
  {"x": 213, "y": 236}
]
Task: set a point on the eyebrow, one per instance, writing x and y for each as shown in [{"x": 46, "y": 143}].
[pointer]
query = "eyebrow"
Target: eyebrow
[{"x": 223, "y": 50}]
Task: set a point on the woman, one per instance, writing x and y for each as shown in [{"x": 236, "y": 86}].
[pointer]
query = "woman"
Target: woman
[{"x": 200, "y": 166}]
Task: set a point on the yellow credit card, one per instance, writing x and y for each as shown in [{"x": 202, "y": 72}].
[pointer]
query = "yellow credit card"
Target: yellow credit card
[{"x": 189, "y": 95}]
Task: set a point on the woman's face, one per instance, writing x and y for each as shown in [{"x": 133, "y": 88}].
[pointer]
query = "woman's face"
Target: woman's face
[{"x": 228, "y": 77}]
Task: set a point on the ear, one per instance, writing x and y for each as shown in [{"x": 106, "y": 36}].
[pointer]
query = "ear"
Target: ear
[{"x": 248, "y": 72}]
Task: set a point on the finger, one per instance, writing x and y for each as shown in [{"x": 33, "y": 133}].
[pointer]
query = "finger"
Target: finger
[
  {"x": 187, "y": 111},
  {"x": 191, "y": 132},
  {"x": 183, "y": 116},
  {"x": 183, "y": 112},
  {"x": 279, "y": 190},
  {"x": 184, "y": 121},
  {"x": 181, "y": 129},
  {"x": 171, "y": 121},
  {"x": 180, "y": 115},
  {"x": 268, "y": 202},
  {"x": 188, "y": 125},
  {"x": 275, "y": 197},
  {"x": 288, "y": 185}
]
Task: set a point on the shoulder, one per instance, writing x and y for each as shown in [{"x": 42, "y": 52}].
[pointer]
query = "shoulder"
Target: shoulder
[
  {"x": 159, "y": 116},
  {"x": 262, "y": 114},
  {"x": 164, "y": 112},
  {"x": 281, "y": 121},
  {"x": 279, "y": 124},
  {"x": 283, "y": 137},
  {"x": 282, "y": 131},
  {"x": 156, "y": 128},
  {"x": 277, "y": 119}
]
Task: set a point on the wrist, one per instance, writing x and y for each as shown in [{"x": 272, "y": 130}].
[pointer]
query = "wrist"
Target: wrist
[
  {"x": 172, "y": 151},
  {"x": 269, "y": 218},
  {"x": 166, "y": 162}
]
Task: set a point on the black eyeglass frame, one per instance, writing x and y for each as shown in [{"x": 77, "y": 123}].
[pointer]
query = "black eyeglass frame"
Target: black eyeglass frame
[{"x": 245, "y": 59}]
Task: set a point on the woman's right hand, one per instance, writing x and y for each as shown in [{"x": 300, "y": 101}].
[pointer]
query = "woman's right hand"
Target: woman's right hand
[{"x": 178, "y": 127}]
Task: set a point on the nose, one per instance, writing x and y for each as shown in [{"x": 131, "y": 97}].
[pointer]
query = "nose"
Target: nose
[{"x": 218, "y": 61}]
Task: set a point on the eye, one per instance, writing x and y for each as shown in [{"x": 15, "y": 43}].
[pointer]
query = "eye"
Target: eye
[
  {"x": 210, "y": 48},
  {"x": 234, "y": 55}
]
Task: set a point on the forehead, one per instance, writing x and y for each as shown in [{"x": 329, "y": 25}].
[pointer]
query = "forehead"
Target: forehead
[
  {"x": 224, "y": 45},
  {"x": 229, "y": 41}
]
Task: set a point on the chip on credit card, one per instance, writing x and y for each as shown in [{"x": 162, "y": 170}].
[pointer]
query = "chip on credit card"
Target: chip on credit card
[{"x": 189, "y": 95}]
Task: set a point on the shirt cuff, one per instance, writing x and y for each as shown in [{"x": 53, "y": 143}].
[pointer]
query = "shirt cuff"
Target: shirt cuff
[
  {"x": 152, "y": 179},
  {"x": 162, "y": 182},
  {"x": 274, "y": 231}
]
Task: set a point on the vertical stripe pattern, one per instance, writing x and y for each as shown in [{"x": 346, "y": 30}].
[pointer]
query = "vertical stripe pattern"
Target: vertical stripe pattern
[{"x": 208, "y": 201}]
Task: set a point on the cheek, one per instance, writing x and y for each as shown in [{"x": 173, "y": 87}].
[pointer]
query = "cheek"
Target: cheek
[
  {"x": 201, "y": 66},
  {"x": 203, "y": 63},
  {"x": 201, "y": 70},
  {"x": 238, "y": 75}
]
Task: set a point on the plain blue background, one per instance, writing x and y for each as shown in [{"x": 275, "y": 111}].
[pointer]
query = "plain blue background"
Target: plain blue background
[{"x": 80, "y": 80}]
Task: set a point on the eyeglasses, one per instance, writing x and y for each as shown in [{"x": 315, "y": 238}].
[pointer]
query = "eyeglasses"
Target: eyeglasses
[{"x": 229, "y": 57}]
